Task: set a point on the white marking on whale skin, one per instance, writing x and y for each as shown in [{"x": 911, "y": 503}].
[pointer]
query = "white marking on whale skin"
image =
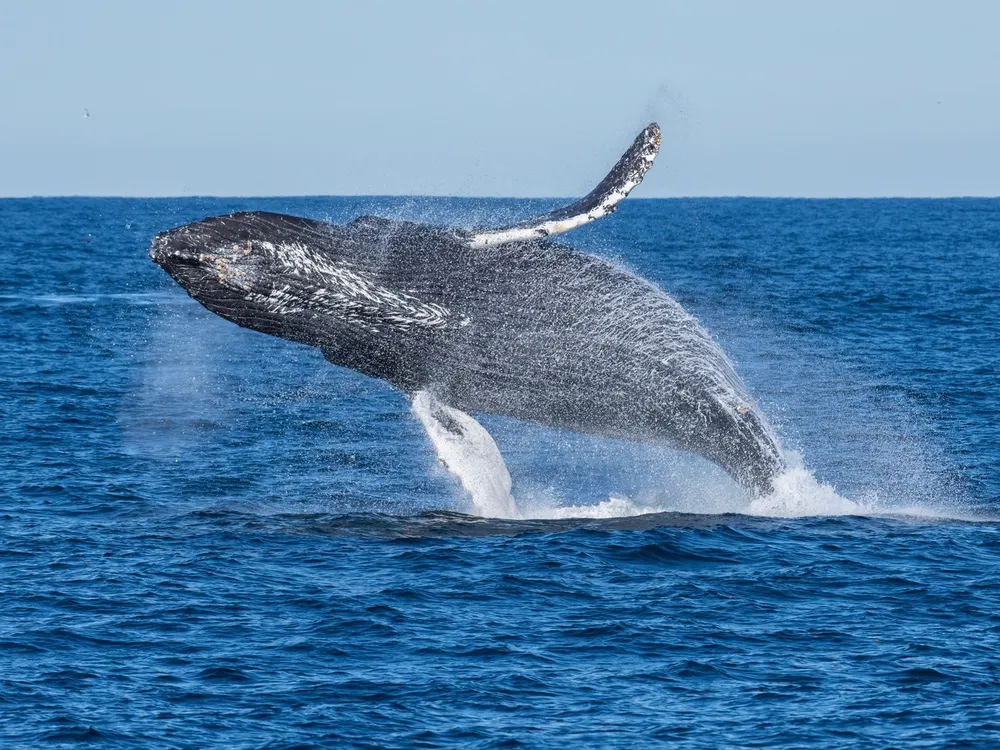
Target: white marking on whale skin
[
  {"x": 343, "y": 292},
  {"x": 278, "y": 301}
]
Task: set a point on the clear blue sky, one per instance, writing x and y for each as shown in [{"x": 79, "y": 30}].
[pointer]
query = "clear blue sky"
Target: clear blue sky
[{"x": 506, "y": 98}]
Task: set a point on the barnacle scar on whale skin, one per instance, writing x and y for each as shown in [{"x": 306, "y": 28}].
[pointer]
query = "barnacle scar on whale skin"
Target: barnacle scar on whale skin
[{"x": 497, "y": 320}]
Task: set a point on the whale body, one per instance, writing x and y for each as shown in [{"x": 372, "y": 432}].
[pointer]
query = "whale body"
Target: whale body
[{"x": 500, "y": 321}]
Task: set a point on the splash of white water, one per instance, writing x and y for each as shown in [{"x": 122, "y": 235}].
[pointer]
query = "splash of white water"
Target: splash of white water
[
  {"x": 476, "y": 461},
  {"x": 473, "y": 457},
  {"x": 798, "y": 493},
  {"x": 614, "y": 507}
]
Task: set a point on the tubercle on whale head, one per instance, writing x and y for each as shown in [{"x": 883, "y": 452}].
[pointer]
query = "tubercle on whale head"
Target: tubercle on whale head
[
  {"x": 160, "y": 248},
  {"x": 192, "y": 244},
  {"x": 222, "y": 269},
  {"x": 220, "y": 251},
  {"x": 178, "y": 249}
]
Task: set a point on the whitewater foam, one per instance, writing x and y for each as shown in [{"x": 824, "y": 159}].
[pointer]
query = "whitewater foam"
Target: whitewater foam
[
  {"x": 689, "y": 487},
  {"x": 797, "y": 494},
  {"x": 614, "y": 507}
]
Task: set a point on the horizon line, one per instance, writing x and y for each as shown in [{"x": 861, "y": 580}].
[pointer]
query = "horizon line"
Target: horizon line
[{"x": 734, "y": 196}]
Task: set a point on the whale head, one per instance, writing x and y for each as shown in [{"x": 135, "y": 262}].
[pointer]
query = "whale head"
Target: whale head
[
  {"x": 299, "y": 279},
  {"x": 262, "y": 273}
]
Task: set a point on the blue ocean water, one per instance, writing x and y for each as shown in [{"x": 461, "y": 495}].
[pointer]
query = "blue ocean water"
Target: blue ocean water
[{"x": 210, "y": 537}]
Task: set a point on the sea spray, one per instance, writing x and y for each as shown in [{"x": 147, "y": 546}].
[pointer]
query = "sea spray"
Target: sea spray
[{"x": 798, "y": 493}]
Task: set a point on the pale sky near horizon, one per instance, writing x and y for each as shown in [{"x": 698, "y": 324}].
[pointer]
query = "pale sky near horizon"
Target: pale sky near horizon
[{"x": 876, "y": 98}]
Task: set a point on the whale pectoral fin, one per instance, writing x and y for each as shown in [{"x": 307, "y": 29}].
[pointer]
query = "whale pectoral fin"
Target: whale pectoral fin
[
  {"x": 600, "y": 201},
  {"x": 469, "y": 452}
]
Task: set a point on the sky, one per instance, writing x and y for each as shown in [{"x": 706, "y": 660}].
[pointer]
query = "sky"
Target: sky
[{"x": 512, "y": 98}]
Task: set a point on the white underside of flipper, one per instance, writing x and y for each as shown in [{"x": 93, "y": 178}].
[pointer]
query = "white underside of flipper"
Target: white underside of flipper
[
  {"x": 469, "y": 452},
  {"x": 599, "y": 202}
]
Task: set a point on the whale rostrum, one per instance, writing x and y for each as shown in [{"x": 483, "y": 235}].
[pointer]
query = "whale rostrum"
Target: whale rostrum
[{"x": 497, "y": 321}]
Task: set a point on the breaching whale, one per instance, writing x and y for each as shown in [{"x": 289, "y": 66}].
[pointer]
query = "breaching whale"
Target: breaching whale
[{"x": 492, "y": 320}]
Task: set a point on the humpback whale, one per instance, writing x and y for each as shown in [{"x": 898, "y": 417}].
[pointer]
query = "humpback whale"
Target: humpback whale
[{"x": 494, "y": 320}]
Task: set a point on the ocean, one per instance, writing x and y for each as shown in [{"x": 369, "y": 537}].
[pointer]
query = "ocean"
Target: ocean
[{"x": 213, "y": 538}]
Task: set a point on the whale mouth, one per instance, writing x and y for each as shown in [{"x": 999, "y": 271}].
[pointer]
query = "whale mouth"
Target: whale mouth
[
  {"x": 164, "y": 249},
  {"x": 159, "y": 248},
  {"x": 172, "y": 250}
]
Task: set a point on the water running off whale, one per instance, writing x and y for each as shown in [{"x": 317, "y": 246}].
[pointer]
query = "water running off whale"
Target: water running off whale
[{"x": 495, "y": 320}]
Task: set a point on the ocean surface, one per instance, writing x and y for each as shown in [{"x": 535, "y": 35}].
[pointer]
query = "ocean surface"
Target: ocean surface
[{"x": 213, "y": 538}]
